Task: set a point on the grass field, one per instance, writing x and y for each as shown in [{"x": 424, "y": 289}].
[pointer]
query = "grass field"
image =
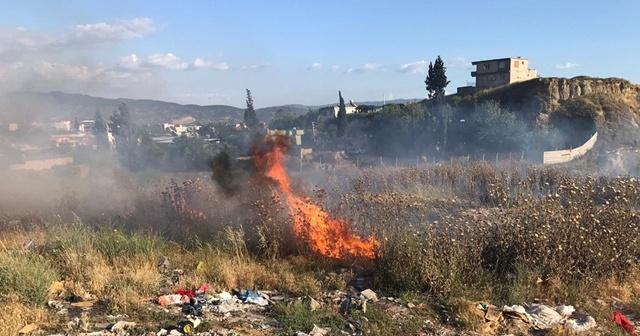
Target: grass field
[{"x": 508, "y": 234}]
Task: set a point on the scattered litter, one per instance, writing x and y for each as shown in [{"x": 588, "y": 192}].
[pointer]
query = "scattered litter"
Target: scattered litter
[
  {"x": 493, "y": 314},
  {"x": 84, "y": 304},
  {"x": 311, "y": 303},
  {"x": 122, "y": 325},
  {"x": 345, "y": 306},
  {"x": 56, "y": 288},
  {"x": 252, "y": 297},
  {"x": 28, "y": 245},
  {"x": 580, "y": 325},
  {"x": 164, "y": 265},
  {"x": 200, "y": 268},
  {"x": 565, "y": 311},
  {"x": 543, "y": 317},
  {"x": 172, "y": 299},
  {"x": 181, "y": 328},
  {"x": 55, "y": 304},
  {"x": 370, "y": 295},
  {"x": 517, "y": 312},
  {"x": 316, "y": 331},
  {"x": 624, "y": 323},
  {"x": 223, "y": 296},
  {"x": 29, "y": 328},
  {"x": 185, "y": 292},
  {"x": 204, "y": 288},
  {"x": 194, "y": 308}
]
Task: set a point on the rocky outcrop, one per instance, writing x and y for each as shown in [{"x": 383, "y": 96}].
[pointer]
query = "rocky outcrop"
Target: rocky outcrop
[
  {"x": 552, "y": 91},
  {"x": 538, "y": 98}
]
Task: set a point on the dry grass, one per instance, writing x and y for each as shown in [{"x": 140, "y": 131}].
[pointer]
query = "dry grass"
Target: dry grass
[{"x": 507, "y": 234}]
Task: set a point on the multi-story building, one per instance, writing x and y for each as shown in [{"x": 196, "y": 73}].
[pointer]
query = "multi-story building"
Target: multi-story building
[{"x": 499, "y": 72}]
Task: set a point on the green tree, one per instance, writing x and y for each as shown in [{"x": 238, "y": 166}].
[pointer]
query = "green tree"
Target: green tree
[
  {"x": 76, "y": 125},
  {"x": 444, "y": 112},
  {"x": 250, "y": 117},
  {"x": 343, "y": 124},
  {"x": 437, "y": 80},
  {"x": 148, "y": 152},
  {"x": 497, "y": 129},
  {"x": 125, "y": 136},
  {"x": 100, "y": 128},
  {"x": 284, "y": 121}
]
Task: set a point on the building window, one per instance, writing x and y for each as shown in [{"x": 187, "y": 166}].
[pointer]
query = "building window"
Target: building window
[
  {"x": 501, "y": 65},
  {"x": 503, "y": 76},
  {"x": 493, "y": 78}
]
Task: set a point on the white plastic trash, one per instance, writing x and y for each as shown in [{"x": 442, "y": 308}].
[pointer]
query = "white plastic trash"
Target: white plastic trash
[
  {"x": 580, "y": 325},
  {"x": 565, "y": 311}
]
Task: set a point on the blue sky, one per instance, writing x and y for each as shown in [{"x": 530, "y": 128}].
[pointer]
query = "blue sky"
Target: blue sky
[{"x": 208, "y": 52}]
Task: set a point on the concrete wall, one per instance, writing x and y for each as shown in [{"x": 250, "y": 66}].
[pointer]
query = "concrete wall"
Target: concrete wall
[
  {"x": 561, "y": 156},
  {"x": 520, "y": 71},
  {"x": 492, "y": 80}
]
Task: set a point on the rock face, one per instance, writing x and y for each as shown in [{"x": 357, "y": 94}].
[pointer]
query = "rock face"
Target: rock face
[
  {"x": 552, "y": 91},
  {"x": 539, "y": 99}
]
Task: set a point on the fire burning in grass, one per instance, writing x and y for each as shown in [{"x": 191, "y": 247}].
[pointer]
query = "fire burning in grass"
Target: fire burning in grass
[{"x": 325, "y": 235}]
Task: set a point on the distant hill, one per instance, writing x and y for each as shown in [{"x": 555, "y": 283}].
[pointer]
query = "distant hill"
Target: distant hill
[
  {"x": 393, "y": 101},
  {"x": 35, "y": 106},
  {"x": 31, "y": 106}
]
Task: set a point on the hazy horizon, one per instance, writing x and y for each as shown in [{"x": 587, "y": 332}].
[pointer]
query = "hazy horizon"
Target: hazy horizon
[{"x": 288, "y": 52}]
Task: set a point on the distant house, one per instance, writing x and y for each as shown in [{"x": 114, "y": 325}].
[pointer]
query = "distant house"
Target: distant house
[
  {"x": 294, "y": 134},
  {"x": 43, "y": 163},
  {"x": 167, "y": 134},
  {"x": 63, "y": 125},
  {"x": 180, "y": 130},
  {"x": 498, "y": 72},
  {"x": 72, "y": 139},
  {"x": 332, "y": 111}
]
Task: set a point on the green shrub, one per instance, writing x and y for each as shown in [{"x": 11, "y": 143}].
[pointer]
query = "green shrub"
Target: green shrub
[
  {"x": 296, "y": 317},
  {"x": 114, "y": 244},
  {"x": 28, "y": 277}
]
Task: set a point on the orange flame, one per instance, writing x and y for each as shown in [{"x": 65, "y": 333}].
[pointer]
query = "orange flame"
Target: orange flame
[{"x": 325, "y": 235}]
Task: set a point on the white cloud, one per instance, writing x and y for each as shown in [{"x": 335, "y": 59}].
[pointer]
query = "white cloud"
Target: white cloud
[
  {"x": 255, "y": 66},
  {"x": 121, "y": 30},
  {"x": 131, "y": 62},
  {"x": 369, "y": 67},
  {"x": 201, "y": 63},
  {"x": 568, "y": 65},
  {"x": 166, "y": 61},
  {"x": 414, "y": 67},
  {"x": 422, "y": 66},
  {"x": 334, "y": 68},
  {"x": 221, "y": 66},
  {"x": 457, "y": 62},
  {"x": 45, "y": 75},
  {"x": 19, "y": 42},
  {"x": 315, "y": 66}
]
